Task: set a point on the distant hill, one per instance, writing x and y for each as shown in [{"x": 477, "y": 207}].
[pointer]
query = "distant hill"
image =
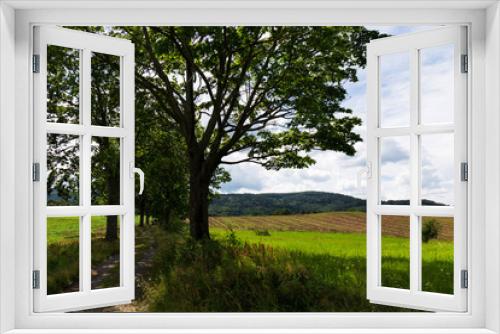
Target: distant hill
[
  {"x": 289, "y": 203},
  {"x": 286, "y": 203}
]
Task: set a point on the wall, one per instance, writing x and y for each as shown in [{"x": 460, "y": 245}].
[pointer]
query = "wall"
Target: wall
[
  {"x": 7, "y": 175},
  {"x": 492, "y": 171}
]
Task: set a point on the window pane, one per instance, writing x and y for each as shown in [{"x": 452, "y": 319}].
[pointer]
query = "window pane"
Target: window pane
[
  {"x": 437, "y": 169},
  {"x": 63, "y": 254},
  {"x": 395, "y": 90},
  {"x": 63, "y": 169},
  {"x": 395, "y": 170},
  {"x": 436, "y": 84},
  {"x": 63, "y": 85},
  {"x": 105, "y": 171},
  {"x": 437, "y": 254},
  {"x": 105, "y": 87},
  {"x": 395, "y": 251},
  {"x": 105, "y": 252}
]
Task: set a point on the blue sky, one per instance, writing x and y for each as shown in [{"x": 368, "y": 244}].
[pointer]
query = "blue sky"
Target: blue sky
[{"x": 335, "y": 172}]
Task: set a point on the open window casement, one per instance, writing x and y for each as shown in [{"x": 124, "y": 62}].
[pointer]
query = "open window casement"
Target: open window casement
[
  {"x": 83, "y": 168},
  {"x": 417, "y": 153}
]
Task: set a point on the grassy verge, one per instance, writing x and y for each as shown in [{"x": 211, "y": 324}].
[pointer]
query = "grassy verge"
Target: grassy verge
[
  {"x": 437, "y": 255},
  {"x": 254, "y": 271}
]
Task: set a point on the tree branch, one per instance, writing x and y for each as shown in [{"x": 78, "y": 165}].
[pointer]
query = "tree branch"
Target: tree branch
[{"x": 159, "y": 70}]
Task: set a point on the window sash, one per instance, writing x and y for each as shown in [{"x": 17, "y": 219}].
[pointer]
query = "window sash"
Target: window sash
[
  {"x": 414, "y": 297},
  {"x": 86, "y": 297}
]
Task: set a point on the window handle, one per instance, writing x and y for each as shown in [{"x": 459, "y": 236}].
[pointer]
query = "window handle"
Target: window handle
[
  {"x": 141, "y": 179},
  {"x": 364, "y": 173},
  {"x": 134, "y": 170}
]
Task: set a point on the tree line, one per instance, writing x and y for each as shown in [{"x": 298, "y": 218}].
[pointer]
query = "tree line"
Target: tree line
[{"x": 207, "y": 97}]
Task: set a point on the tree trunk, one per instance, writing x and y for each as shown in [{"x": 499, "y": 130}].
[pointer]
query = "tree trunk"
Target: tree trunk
[
  {"x": 198, "y": 206},
  {"x": 111, "y": 228},
  {"x": 142, "y": 209},
  {"x": 113, "y": 185},
  {"x": 165, "y": 217}
]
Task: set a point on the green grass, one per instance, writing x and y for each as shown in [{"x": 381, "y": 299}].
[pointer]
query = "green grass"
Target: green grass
[
  {"x": 437, "y": 256},
  {"x": 63, "y": 253},
  {"x": 254, "y": 270}
]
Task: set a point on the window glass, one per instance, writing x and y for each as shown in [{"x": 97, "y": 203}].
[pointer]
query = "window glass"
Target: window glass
[
  {"x": 437, "y": 172},
  {"x": 394, "y": 90},
  {"x": 436, "y": 85},
  {"x": 105, "y": 94},
  {"x": 395, "y": 170},
  {"x": 105, "y": 252},
  {"x": 63, "y": 170},
  {"x": 63, "y": 85},
  {"x": 437, "y": 254},
  {"x": 395, "y": 261},
  {"x": 63, "y": 255},
  {"x": 105, "y": 171}
]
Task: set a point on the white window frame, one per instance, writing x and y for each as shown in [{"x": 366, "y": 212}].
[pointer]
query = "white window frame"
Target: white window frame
[
  {"x": 86, "y": 297},
  {"x": 16, "y": 20},
  {"x": 411, "y": 44}
]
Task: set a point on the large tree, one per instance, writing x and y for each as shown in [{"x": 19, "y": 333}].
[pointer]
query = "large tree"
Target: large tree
[{"x": 272, "y": 93}]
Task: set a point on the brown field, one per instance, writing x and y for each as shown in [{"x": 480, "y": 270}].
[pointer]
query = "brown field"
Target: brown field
[{"x": 326, "y": 222}]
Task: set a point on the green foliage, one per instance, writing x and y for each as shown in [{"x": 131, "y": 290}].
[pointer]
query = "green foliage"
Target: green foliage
[
  {"x": 290, "y": 74},
  {"x": 262, "y": 233},
  {"x": 272, "y": 93},
  {"x": 430, "y": 229},
  {"x": 62, "y": 267},
  {"x": 62, "y": 106}
]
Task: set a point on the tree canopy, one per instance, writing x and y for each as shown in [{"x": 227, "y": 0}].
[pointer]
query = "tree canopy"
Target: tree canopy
[
  {"x": 273, "y": 94},
  {"x": 214, "y": 96}
]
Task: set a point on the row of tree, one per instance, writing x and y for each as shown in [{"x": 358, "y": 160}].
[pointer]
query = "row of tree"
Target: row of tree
[{"x": 214, "y": 96}]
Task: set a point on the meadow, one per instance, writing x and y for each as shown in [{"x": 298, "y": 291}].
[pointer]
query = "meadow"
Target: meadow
[{"x": 289, "y": 263}]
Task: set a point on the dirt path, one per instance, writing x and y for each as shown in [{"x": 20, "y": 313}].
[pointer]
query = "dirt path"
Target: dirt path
[{"x": 144, "y": 259}]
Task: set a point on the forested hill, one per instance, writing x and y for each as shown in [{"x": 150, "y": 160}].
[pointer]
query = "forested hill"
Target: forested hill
[
  {"x": 291, "y": 203},
  {"x": 286, "y": 203}
]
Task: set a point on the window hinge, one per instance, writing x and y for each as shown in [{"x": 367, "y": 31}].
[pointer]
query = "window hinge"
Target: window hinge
[
  {"x": 36, "y": 172},
  {"x": 464, "y": 171},
  {"x": 36, "y": 279},
  {"x": 36, "y": 63},
  {"x": 465, "y": 64},
  {"x": 464, "y": 279}
]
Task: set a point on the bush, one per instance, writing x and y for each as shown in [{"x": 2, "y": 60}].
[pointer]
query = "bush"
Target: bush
[
  {"x": 430, "y": 229},
  {"x": 263, "y": 233}
]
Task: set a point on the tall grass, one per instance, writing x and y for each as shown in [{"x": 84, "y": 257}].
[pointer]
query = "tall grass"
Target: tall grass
[
  {"x": 253, "y": 271},
  {"x": 63, "y": 253},
  {"x": 229, "y": 275}
]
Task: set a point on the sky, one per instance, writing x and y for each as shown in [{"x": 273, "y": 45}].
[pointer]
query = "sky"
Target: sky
[{"x": 336, "y": 172}]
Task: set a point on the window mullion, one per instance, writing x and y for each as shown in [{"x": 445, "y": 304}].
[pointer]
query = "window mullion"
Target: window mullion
[
  {"x": 415, "y": 263},
  {"x": 85, "y": 174}
]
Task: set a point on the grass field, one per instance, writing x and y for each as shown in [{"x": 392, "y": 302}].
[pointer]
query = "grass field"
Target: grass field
[
  {"x": 322, "y": 222},
  {"x": 299, "y": 256}
]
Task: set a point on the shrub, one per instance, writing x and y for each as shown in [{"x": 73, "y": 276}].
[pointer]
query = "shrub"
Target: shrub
[
  {"x": 263, "y": 233},
  {"x": 430, "y": 229}
]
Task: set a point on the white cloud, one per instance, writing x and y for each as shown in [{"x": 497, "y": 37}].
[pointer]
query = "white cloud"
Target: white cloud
[{"x": 336, "y": 172}]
